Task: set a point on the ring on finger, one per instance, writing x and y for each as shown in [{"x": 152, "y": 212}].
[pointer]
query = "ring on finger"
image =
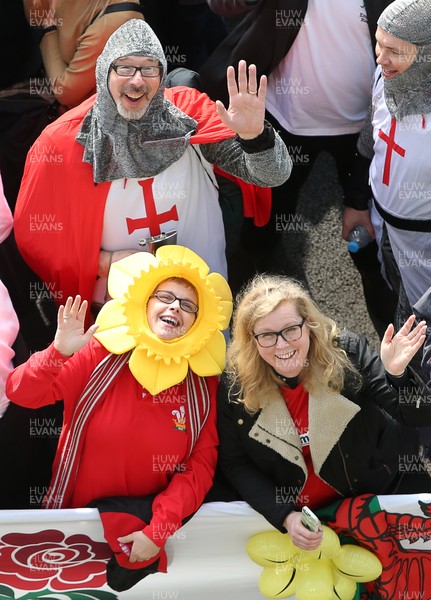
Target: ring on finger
[
  {"x": 68, "y": 316},
  {"x": 252, "y": 92}
]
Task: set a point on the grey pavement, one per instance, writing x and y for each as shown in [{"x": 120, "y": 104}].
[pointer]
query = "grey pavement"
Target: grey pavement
[
  {"x": 314, "y": 252},
  {"x": 332, "y": 278}
]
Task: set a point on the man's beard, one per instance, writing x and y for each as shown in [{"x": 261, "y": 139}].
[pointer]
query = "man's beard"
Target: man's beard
[{"x": 133, "y": 114}]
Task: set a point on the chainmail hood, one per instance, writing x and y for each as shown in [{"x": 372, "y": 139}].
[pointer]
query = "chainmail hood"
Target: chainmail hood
[
  {"x": 121, "y": 148},
  {"x": 410, "y": 92}
]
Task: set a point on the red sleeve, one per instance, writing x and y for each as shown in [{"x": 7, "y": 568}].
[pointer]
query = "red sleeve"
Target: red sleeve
[
  {"x": 49, "y": 376},
  {"x": 188, "y": 487}
]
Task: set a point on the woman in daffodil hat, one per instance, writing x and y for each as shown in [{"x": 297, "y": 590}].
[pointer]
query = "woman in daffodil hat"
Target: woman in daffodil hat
[
  {"x": 139, "y": 399},
  {"x": 158, "y": 363}
]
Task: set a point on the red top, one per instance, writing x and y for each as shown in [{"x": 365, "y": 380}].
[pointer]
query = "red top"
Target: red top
[
  {"x": 133, "y": 441},
  {"x": 316, "y": 492}
]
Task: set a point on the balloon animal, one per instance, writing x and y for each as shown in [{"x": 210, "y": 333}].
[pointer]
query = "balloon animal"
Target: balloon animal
[{"x": 329, "y": 573}]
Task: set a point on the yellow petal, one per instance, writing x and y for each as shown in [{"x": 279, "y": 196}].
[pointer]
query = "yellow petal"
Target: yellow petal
[
  {"x": 111, "y": 315},
  {"x": 113, "y": 332},
  {"x": 211, "y": 359},
  {"x": 220, "y": 286},
  {"x": 183, "y": 255},
  {"x": 124, "y": 272},
  {"x": 226, "y": 313},
  {"x": 139, "y": 290},
  {"x": 116, "y": 340},
  {"x": 304, "y": 556},
  {"x": 344, "y": 588},
  {"x": 155, "y": 375},
  {"x": 314, "y": 581},
  {"x": 178, "y": 347},
  {"x": 358, "y": 563},
  {"x": 135, "y": 316},
  {"x": 330, "y": 546},
  {"x": 278, "y": 582},
  {"x": 271, "y": 548},
  {"x": 222, "y": 291}
]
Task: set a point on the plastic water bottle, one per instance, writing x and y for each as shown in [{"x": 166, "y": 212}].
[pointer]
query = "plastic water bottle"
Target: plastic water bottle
[{"x": 358, "y": 238}]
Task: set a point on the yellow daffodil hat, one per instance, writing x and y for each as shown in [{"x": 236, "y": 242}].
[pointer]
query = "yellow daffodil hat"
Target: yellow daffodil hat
[{"x": 159, "y": 364}]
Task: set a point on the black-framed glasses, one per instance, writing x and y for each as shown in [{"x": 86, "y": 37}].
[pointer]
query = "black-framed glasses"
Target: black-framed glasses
[
  {"x": 289, "y": 334},
  {"x": 169, "y": 298},
  {"x": 130, "y": 70}
]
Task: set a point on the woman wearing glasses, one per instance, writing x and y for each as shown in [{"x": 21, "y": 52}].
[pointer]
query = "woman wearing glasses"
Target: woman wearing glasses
[
  {"x": 139, "y": 399},
  {"x": 307, "y": 414}
]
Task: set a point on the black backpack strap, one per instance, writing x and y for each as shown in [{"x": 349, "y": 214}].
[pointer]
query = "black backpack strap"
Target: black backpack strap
[{"x": 124, "y": 6}]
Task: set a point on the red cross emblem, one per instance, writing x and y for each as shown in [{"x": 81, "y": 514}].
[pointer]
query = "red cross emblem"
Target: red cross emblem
[
  {"x": 392, "y": 147},
  {"x": 153, "y": 220}
]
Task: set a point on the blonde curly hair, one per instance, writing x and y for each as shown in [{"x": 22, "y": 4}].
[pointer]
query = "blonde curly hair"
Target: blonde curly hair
[{"x": 250, "y": 376}]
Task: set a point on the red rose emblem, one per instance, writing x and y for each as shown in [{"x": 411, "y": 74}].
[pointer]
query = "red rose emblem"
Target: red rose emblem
[{"x": 34, "y": 561}]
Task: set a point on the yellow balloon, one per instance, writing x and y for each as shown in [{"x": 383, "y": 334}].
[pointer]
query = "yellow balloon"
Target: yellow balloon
[
  {"x": 314, "y": 580},
  {"x": 330, "y": 546},
  {"x": 271, "y": 548},
  {"x": 344, "y": 588},
  {"x": 278, "y": 582},
  {"x": 307, "y": 555},
  {"x": 358, "y": 563}
]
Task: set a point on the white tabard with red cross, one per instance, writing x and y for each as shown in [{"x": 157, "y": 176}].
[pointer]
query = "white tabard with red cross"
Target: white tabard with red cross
[
  {"x": 184, "y": 197},
  {"x": 400, "y": 176}
]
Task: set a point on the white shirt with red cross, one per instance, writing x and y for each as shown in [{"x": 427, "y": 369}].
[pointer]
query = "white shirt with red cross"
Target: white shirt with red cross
[
  {"x": 400, "y": 177},
  {"x": 184, "y": 198}
]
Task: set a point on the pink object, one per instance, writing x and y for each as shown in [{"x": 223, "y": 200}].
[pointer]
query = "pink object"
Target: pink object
[
  {"x": 9, "y": 325},
  {"x": 6, "y": 219}
]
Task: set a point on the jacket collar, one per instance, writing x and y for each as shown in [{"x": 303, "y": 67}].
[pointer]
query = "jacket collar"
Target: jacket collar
[{"x": 276, "y": 429}]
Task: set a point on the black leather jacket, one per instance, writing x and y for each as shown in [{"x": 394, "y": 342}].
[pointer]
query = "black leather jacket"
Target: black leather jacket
[{"x": 359, "y": 439}]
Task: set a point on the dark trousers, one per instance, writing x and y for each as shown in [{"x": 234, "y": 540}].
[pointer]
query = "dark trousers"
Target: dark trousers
[{"x": 304, "y": 150}]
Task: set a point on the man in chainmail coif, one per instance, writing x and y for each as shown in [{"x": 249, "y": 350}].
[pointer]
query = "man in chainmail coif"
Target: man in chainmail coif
[
  {"x": 138, "y": 160},
  {"x": 396, "y": 140}
]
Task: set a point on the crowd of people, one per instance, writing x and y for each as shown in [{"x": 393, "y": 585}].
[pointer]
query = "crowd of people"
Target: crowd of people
[{"x": 136, "y": 149}]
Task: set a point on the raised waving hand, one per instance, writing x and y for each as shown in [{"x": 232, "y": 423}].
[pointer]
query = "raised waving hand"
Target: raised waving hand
[
  {"x": 246, "y": 112},
  {"x": 397, "y": 350},
  {"x": 71, "y": 335}
]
